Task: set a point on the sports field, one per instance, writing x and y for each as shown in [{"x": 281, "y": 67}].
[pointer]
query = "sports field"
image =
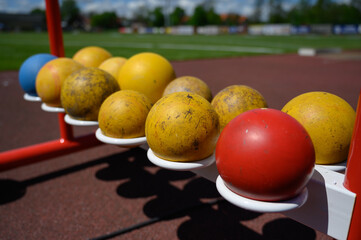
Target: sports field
[
  {"x": 109, "y": 189},
  {"x": 16, "y": 47}
]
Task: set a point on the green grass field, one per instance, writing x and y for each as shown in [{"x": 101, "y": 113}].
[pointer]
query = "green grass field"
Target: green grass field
[{"x": 16, "y": 47}]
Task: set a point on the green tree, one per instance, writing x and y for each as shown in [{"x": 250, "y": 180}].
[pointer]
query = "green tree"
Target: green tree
[
  {"x": 177, "y": 16},
  {"x": 212, "y": 17},
  {"x": 343, "y": 14},
  {"x": 104, "y": 20},
  {"x": 41, "y": 13},
  {"x": 277, "y": 14},
  {"x": 257, "y": 13},
  {"x": 70, "y": 13},
  {"x": 204, "y": 14},
  {"x": 318, "y": 12},
  {"x": 299, "y": 17},
  {"x": 324, "y": 11},
  {"x": 356, "y": 4},
  {"x": 37, "y": 11},
  {"x": 156, "y": 17},
  {"x": 141, "y": 15},
  {"x": 305, "y": 11},
  {"x": 199, "y": 17}
]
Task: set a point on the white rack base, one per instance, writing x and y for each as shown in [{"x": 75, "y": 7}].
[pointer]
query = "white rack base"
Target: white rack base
[{"x": 328, "y": 208}]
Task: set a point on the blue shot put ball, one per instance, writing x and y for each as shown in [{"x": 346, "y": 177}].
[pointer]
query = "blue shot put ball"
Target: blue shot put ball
[{"x": 29, "y": 70}]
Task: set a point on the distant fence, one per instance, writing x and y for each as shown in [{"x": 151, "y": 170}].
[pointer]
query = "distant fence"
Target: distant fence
[{"x": 258, "y": 29}]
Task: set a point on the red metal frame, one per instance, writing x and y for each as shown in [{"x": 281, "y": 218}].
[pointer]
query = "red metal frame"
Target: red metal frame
[
  {"x": 67, "y": 143},
  {"x": 56, "y": 43},
  {"x": 353, "y": 175}
]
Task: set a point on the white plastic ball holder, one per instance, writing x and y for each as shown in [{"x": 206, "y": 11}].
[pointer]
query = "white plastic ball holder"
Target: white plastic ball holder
[
  {"x": 260, "y": 206},
  {"x": 31, "y": 98},
  {"x": 47, "y": 108},
  {"x": 122, "y": 142},
  {"x": 180, "y": 166},
  {"x": 338, "y": 167},
  {"x": 71, "y": 121}
]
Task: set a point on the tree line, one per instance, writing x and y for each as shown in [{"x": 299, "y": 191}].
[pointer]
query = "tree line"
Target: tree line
[{"x": 302, "y": 13}]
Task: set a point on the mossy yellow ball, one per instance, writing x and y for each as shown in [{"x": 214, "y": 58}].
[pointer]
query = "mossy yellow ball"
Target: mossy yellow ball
[
  {"x": 189, "y": 84},
  {"x": 123, "y": 114},
  {"x": 84, "y": 91},
  {"x": 182, "y": 127},
  {"x": 234, "y": 100}
]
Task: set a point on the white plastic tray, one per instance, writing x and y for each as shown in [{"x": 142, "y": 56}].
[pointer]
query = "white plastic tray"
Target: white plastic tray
[
  {"x": 47, "y": 108},
  {"x": 76, "y": 122},
  {"x": 124, "y": 142},
  {"x": 260, "y": 206},
  {"x": 339, "y": 167},
  {"x": 180, "y": 166},
  {"x": 31, "y": 98}
]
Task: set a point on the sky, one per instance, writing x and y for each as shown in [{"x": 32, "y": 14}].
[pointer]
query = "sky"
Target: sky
[{"x": 128, "y": 7}]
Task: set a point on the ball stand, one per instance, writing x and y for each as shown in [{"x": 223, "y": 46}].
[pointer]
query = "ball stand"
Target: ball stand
[
  {"x": 48, "y": 108},
  {"x": 239, "y": 201},
  {"x": 180, "y": 166},
  {"x": 31, "y": 98},
  {"x": 260, "y": 206},
  {"x": 121, "y": 142},
  {"x": 71, "y": 121},
  {"x": 325, "y": 204},
  {"x": 249, "y": 204},
  {"x": 338, "y": 167}
]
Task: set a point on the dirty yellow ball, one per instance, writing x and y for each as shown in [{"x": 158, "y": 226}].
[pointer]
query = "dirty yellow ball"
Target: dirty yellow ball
[
  {"x": 189, "y": 84},
  {"x": 328, "y": 119},
  {"x": 84, "y": 91},
  {"x": 182, "y": 127},
  {"x": 123, "y": 114},
  {"x": 234, "y": 100}
]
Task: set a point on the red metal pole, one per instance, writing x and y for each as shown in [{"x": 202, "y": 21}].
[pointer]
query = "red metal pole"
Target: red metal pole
[
  {"x": 53, "y": 20},
  {"x": 55, "y": 33},
  {"x": 43, "y": 151},
  {"x": 353, "y": 175},
  {"x": 66, "y": 131}
]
